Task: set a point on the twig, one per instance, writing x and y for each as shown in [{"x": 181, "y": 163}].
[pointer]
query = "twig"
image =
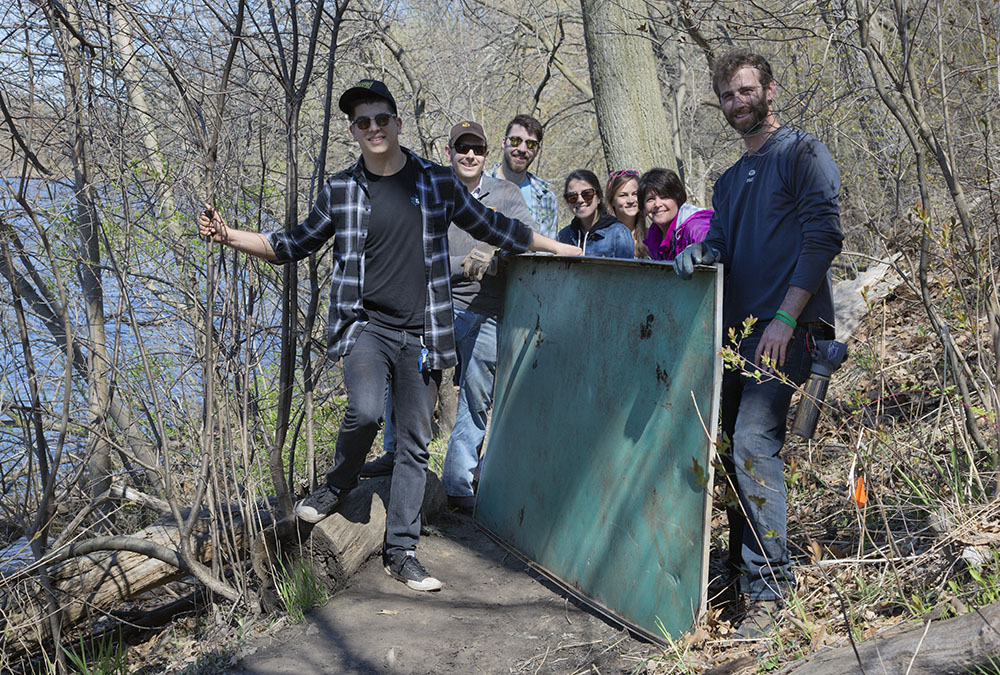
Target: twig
[
  {"x": 580, "y": 644},
  {"x": 858, "y": 561},
  {"x": 850, "y": 634},
  {"x": 612, "y": 646},
  {"x": 917, "y": 650},
  {"x": 544, "y": 657}
]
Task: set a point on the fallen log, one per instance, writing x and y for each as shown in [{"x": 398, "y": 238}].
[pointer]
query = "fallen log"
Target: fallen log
[
  {"x": 17, "y": 555},
  {"x": 950, "y": 647},
  {"x": 853, "y": 297},
  {"x": 341, "y": 543},
  {"x": 89, "y": 582},
  {"x": 94, "y": 583}
]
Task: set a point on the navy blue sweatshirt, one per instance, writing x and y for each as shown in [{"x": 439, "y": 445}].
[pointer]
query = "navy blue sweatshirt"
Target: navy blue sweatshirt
[{"x": 777, "y": 224}]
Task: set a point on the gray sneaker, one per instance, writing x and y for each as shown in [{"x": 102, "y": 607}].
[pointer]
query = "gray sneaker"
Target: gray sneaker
[
  {"x": 322, "y": 502},
  {"x": 405, "y": 567},
  {"x": 382, "y": 466},
  {"x": 760, "y": 621}
]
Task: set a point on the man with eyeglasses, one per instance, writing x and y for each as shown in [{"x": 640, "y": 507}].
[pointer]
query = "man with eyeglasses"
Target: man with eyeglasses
[
  {"x": 522, "y": 143},
  {"x": 391, "y": 317},
  {"x": 477, "y": 290},
  {"x": 478, "y": 293}
]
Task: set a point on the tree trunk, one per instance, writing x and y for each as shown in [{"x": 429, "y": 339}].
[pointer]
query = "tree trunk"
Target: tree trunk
[
  {"x": 958, "y": 645},
  {"x": 636, "y": 131},
  {"x": 104, "y": 579},
  {"x": 341, "y": 543},
  {"x": 447, "y": 405},
  {"x": 89, "y": 266}
]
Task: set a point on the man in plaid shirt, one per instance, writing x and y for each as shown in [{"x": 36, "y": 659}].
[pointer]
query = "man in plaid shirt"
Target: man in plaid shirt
[
  {"x": 391, "y": 317},
  {"x": 522, "y": 144}
]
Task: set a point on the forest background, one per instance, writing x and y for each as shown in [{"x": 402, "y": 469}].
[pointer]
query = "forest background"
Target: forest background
[{"x": 120, "y": 118}]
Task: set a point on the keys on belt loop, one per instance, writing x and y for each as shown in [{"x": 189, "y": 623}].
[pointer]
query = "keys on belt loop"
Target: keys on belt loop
[{"x": 424, "y": 358}]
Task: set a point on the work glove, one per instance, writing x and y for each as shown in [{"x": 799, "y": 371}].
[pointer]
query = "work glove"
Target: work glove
[
  {"x": 698, "y": 253},
  {"x": 480, "y": 261}
]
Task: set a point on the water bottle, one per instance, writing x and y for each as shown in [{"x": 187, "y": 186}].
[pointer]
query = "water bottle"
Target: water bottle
[{"x": 827, "y": 355}]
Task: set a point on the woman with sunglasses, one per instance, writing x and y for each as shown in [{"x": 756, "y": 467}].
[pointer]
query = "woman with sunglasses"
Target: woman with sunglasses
[
  {"x": 597, "y": 233},
  {"x": 623, "y": 204},
  {"x": 674, "y": 224}
]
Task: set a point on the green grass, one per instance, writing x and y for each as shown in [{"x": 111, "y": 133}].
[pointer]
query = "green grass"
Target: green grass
[
  {"x": 991, "y": 667},
  {"x": 299, "y": 588},
  {"x": 107, "y": 657},
  {"x": 438, "y": 449},
  {"x": 984, "y": 588}
]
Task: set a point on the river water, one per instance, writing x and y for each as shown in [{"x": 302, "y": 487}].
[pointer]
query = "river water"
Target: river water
[{"x": 147, "y": 324}]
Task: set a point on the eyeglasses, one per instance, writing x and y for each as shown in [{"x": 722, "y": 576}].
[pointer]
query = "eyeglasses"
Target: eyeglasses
[
  {"x": 462, "y": 148},
  {"x": 586, "y": 195},
  {"x": 363, "y": 122},
  {"x": 530, "y": 143},
  {"x": 623, "y": 172}
]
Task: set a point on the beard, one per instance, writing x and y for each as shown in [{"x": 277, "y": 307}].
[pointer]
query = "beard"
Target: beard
[
  {"x": 515, "y": 163},
  {"x": 752, "y": 124}
]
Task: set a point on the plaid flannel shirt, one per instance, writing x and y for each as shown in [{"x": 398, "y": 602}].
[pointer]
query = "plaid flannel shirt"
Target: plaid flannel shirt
[
  {"x": 544, "y": 206},
  {"x": 342, "y": 211}
]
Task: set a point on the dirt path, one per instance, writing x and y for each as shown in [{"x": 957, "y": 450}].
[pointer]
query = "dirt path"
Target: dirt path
[{"x": 493, "y": 616}]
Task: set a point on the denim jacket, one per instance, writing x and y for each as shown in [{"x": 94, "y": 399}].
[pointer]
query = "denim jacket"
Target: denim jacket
[{"x": 607, "y": 238}]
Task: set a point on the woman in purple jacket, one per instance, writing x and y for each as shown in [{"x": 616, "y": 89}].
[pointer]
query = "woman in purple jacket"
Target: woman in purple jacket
[{"x": 673, "y": 224}]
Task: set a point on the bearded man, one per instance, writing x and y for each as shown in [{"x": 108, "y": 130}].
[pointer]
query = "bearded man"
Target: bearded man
[{"x": 776, "y": 229}]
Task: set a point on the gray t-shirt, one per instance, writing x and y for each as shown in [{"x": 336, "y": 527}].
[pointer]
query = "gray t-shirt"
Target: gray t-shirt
[
  {"x": 777, "y": 224},
  {"x": 484, "y": 297}
]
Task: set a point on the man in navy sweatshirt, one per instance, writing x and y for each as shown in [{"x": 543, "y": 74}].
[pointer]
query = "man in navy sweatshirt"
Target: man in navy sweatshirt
[{"x": 776, "y": 229}]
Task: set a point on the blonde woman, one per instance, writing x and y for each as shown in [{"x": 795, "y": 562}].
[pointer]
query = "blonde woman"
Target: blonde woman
[{"x": 623, "y": 203}]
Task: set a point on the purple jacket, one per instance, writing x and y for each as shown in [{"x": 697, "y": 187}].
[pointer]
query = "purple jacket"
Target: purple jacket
[{"x": 690, "y": 225}]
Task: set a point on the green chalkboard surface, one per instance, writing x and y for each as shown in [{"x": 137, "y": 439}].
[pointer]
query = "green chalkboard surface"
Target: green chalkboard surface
[{"x": 597, "y": 467}]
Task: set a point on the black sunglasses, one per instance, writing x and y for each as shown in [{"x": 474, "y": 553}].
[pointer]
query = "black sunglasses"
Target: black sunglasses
[
  {"x": 462, "y": 148},
  {"x": 586, "y": 195},
  {"x": 530, "y": 143},
  {"x": 363, "y": 122}
]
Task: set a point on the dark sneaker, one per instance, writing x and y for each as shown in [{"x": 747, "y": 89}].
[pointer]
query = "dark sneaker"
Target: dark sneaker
[
  {"x": 406, "y": 568},
  {"x": 318, "y": 505},
  {"x": 760, "y": 622},
  {"x": 464, "y": 505},
  {"x": 379, "y": 467}
]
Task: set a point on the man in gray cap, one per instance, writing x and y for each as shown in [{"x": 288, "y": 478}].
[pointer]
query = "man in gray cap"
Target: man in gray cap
[
  {"x": 478, "y": 293},
  {"x": 477, "y": 290},
  {"x": 391, "y": 317}
]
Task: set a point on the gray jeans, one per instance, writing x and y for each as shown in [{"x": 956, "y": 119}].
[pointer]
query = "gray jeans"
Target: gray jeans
[
  {"x": 379, "y": 357},
  {"x": 753, "y": 416}
]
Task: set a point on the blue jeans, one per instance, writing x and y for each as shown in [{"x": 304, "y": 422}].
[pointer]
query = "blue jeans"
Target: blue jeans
[
  {"x": 388, "y": 432},
  {"x": 754, "y": 416},
  {"x": 379, "y": 357},
  {"x": 476, "y": 339}
]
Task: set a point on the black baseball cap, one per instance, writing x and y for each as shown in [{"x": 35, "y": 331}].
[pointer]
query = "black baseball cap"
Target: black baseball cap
[{"x": 365, "y": 89}]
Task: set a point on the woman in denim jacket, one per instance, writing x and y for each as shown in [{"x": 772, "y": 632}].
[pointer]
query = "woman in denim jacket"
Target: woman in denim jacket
[
  {"x": 622, "y": 197},
  {"x": 597, "y": 233}
]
